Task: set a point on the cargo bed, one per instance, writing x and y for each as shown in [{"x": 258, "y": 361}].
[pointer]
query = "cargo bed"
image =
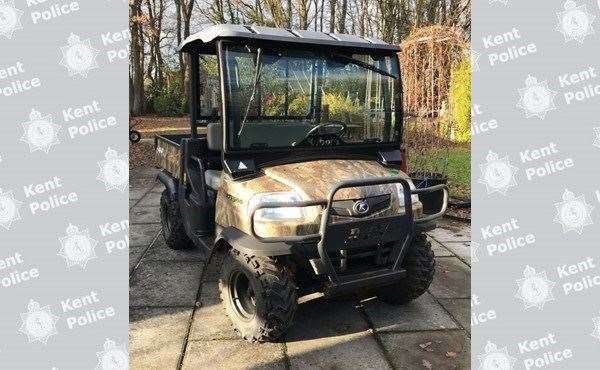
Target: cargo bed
[{"x": 168, "y": 152}]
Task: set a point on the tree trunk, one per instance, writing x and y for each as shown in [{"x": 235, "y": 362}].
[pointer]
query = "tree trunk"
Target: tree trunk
[
  {"x": 332, "y": 16},
  {"x": 342, "y": 20},
  {"x": 137, "y": 69}
]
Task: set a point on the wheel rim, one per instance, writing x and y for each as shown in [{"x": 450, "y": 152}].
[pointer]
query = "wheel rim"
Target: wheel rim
[{"x": 243, "y": 299}]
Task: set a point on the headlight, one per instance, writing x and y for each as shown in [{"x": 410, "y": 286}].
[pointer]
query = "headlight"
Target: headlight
[
  {"x": 400, "y": 193},
  {"x": 276, "y": 214}
]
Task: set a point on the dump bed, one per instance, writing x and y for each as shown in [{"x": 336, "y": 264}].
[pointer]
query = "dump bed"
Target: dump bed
[{"x": 168, "y": 152}]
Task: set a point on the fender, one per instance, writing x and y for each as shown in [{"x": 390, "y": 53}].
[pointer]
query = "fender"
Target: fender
[
  {"x": 168, "y": 181},
  {"x": 248, "y": 244}
]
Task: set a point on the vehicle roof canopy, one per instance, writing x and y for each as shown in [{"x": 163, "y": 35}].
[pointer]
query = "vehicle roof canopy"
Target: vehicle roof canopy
[{"x": 205, "y": 40}]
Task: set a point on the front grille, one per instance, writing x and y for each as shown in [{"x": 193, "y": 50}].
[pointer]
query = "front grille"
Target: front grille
[{"x": 348, "y": 208}]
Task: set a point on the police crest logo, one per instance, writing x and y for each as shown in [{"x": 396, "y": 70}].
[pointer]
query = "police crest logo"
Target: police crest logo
[
  {"x": 39, "y": 324},
  {"x": 575, "y": 22},
  {"x": 10, "y": 18},
  {"x": 573, "y": 213},
  {"x": 497, "y": 174},
  {"x": 536, "y": 98},
  {"x": 77, "y": 247},
  {"x": 9, "y": 209},
  {"x": 79, "y": 57},
  {"x": 534, "y": 289},
  {"x": 41, "y": 133},
  {"x": 114, "y": 170},
  {"x": 113, "y": 357},
  {"x": 596, "y": 142},
  {"x": 495, "y": 358}
]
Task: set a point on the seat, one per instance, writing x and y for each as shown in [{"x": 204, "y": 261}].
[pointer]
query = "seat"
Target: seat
[{"x": 212, "y": 179}]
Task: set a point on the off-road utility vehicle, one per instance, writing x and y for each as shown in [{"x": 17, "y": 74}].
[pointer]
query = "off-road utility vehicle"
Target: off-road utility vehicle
[{"x": 299, "y": 177}]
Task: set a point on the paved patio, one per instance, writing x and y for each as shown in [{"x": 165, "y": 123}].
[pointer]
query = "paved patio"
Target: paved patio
[{"x": 176, "y": 319}]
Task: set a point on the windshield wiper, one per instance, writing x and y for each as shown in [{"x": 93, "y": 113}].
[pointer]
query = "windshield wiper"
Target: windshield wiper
[
  {"x": 254, "y": 86},
  {"x": 360, "y": 63},
  {"x": 372, "y": 140}
]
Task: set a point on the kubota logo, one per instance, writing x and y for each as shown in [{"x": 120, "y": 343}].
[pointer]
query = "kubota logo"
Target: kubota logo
[{"x": 360, "y": 207}]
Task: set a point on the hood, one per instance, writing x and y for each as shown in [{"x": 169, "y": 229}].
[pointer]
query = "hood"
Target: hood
[{"x": 314, "y": 179}]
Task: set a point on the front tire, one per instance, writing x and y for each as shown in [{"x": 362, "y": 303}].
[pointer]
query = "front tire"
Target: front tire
[
  {"x": 172, "y": 223},
  {"x": 259, "y": 296},
  {"x": 420, "y": 267}
]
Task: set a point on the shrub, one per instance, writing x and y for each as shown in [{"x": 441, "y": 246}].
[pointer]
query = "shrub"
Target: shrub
[
  {"x": 460, "y": 101},
  {"x": 166, "y": 98},
  {"x": 340, "y": 105}
]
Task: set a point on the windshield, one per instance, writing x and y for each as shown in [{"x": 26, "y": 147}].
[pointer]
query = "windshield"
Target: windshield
[{"x": 303, "y": 98}]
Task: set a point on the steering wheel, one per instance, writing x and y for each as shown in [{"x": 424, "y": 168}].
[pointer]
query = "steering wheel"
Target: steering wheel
[{"x": 314, "y": 134}]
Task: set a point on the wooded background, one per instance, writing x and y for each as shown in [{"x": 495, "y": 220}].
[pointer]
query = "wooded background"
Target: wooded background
[{"x": 158, "y": 74}]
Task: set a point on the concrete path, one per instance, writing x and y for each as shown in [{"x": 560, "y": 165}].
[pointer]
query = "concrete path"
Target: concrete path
[{"x": 176, "y": 319}]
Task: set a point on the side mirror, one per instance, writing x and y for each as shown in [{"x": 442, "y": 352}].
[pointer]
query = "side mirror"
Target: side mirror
[{"x": 214, "y": 136}]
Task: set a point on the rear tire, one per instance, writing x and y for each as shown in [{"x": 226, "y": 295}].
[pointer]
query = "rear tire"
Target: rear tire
[
  {"x": 259, "y": 296},
  {"x": 172, "y": 223},
  {"x": 420, "y": 267},
  {"x": 134, "y": 136}
]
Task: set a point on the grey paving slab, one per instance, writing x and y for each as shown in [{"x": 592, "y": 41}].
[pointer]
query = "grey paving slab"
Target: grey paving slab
[
  {"x": 142, "y": 234},
  {"x": 141, "y": 183},
  {"x": 450, "y": 230},
  {"x": 157, "y": 337},
  {"x": 143, "y": 172},
  {"x": 443, "y": 350},
  {"x": 460, "y": 309},
  {"x": 233, "y": 354},
  {"x": 320, "y": 318},
  {"x": 424, "y": 313},
  {"x": 151, "y": 199},
  {"x": 438, "y": 249},
  {"x": 160, "y": 252},
  {"x": 139, "y": 215},
  {"x": 135, "y": 253},
  {"x": 136, "y": 193},
  {"x": 158, "y": 283},
  {"x": 350, "y": 351},
  {"x": 158, "y": 188},
  {"x": 210, "y": 321},
  {"x": 452, "y": 279},
  {"x": 332, "y": 335},
  {"x": 210, "y": 292},
  {"x": 461, "y": 249}
]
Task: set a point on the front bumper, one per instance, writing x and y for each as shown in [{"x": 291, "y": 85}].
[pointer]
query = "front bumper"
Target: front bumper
[{"x": 348, "y": 235}]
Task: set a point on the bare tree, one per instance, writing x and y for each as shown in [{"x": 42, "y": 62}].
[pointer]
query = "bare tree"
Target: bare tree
[{"x": 137, "y": 68}]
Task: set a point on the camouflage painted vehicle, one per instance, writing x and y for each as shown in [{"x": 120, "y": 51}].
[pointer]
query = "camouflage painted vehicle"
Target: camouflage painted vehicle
[{"x": 294, "y": 169}]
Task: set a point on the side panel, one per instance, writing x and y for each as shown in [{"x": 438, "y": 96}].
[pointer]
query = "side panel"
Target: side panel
[{"x": 168, "y": 156}]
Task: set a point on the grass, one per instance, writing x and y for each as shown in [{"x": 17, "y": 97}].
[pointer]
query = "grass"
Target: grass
[
  {"x": 458, "y": 168},
  {"x": 459, "y": 172}
]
